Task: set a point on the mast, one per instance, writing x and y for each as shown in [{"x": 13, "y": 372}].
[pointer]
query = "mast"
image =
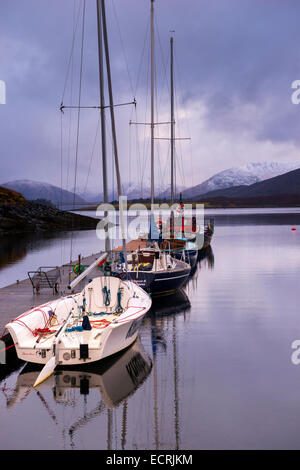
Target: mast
[
  {"x": 152, "y": 102},
  {"x": 102, "y": 114},
  {"x": 113, "y": 128},
  {"x": 172, "y": 120},
  {"x": 172, "y": 137},
  {"x": 111, "y": 101}
]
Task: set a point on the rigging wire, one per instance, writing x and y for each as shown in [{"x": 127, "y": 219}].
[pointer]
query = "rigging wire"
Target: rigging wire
[
  {"x": 167, "y": 162},
  {"x": 61, "y": 180},
  {"x": 71, "y": 97},
  {"x": 70, "y": 67},
  {"x": 165, "y": 63},
  {"x": 166, "y": 84},
  {"x": 134, "y": 91},
  {"x": 123, "y": 47},
  {"x": 112, "y": 172},
  {"x": 179, "y": 158},
  {"x": 158, "y": 159},
  {"x": 187, "y": 120},
  {"x": 92, "y": 154},
  {"x": 79, "y": 101},
  {"x": 145, "y": 141},
  {"x": 61, "y": 159},
  {"x": 142, "y": 55},
  {"x": 141, "y": 157},
  {"x": 129, "y": 154},
  {"x": 78, "y": 114},
  {"x": 72, "y": 51}
]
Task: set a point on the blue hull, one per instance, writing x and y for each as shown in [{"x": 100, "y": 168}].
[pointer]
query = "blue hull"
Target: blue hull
[{"x": 162, "y": 282}]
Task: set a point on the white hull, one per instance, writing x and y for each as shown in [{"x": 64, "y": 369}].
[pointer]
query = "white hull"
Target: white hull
[
  {"x": 114, "y": 383},
  {"x": 110, "y": 331}
]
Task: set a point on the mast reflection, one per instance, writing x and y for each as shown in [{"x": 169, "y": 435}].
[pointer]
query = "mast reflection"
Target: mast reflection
[{"x": 116, "y": 379}]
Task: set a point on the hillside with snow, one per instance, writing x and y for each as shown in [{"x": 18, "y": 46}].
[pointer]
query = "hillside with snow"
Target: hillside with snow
[
  {"x": 241, "y": 176},
  {"x": 33, "y": 190}
]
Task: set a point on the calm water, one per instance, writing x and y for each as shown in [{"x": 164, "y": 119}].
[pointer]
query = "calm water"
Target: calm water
[{"x": 212, "y": 369}]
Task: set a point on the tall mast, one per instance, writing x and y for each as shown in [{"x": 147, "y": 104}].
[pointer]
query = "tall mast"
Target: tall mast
[
  {"x": 111, "y": 101},
  {"x": 113, "y": 128},
  {"x": 102, "y": 111},
  {"x": 172, "y": 121},
  {"x": 152, "y": 101}
]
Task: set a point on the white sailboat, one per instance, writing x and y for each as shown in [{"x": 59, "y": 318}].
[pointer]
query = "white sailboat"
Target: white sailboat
[
  {"x": 85, "y": 327},
  {"x": 101, "y": 320}
]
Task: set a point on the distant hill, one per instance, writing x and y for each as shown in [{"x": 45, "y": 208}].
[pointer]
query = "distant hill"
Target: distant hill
[
  {"x": 7, "y": 196},
  {"x": 286, "y": 184},
  {"x": 244, "y": 175},
  {"x": 33, "y": 190},
  {"x": 17, "y": 215}
]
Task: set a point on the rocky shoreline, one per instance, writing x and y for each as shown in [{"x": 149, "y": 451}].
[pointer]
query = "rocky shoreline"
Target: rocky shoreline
[{"x": 17, "y": 215}]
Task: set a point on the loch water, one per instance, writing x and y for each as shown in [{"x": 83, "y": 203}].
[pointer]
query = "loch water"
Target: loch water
[{"x": 214, "y": 367}]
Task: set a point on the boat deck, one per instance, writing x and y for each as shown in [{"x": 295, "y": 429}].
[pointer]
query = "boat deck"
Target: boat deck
[
  {"x": 84, "y": 336},
  {"x": 133, "y": 245}
]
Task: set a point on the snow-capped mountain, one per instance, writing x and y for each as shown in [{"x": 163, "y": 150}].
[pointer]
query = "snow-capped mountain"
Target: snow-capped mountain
[
  {"x": 32, "y": 190},
  {"x": 166, "y": 194},
  {"x": 244, "y": 175},
  {"x": 133, "y": 191},
  {"x": 136, "y": 190}
]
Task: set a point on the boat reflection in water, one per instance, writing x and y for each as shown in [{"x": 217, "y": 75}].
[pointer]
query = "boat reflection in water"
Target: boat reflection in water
[
  {"x": 128, "y": 401},
  {"x": 207, "y": 255},
  {"x": 170, "y": 304},
  {"x": 206, "y": 260},
  {"x": 162, "y": 322},
  {"x": 166, "y": 320},
  {"x": 116, "y": 379}
]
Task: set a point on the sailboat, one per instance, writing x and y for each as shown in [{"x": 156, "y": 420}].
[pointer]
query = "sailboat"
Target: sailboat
[
  {"x": 105, "y": 317},
  {"x": 184, "y": 238},
  {"x": 148, "y": 265},
  {"x": 180, "y": 245}
]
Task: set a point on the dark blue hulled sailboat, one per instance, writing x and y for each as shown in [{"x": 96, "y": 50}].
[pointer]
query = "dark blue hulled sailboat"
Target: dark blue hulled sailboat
[{"x": 153, "y": 268}]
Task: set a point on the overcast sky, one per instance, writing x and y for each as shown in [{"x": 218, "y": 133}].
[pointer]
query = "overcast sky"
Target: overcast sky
[{"x": 234, "y": 66}]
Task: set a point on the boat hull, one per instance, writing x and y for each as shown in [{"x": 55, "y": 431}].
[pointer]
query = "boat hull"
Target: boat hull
[
  {"x": 118, "y": 339},
  {"x": 161, "y": 282}
]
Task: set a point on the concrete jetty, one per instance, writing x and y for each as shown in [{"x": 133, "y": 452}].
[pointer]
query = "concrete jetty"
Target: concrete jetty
[{"x": 20, "y": 297}]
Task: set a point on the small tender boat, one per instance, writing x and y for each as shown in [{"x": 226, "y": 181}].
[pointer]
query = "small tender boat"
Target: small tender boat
[{"x": 101, "y": 320}]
